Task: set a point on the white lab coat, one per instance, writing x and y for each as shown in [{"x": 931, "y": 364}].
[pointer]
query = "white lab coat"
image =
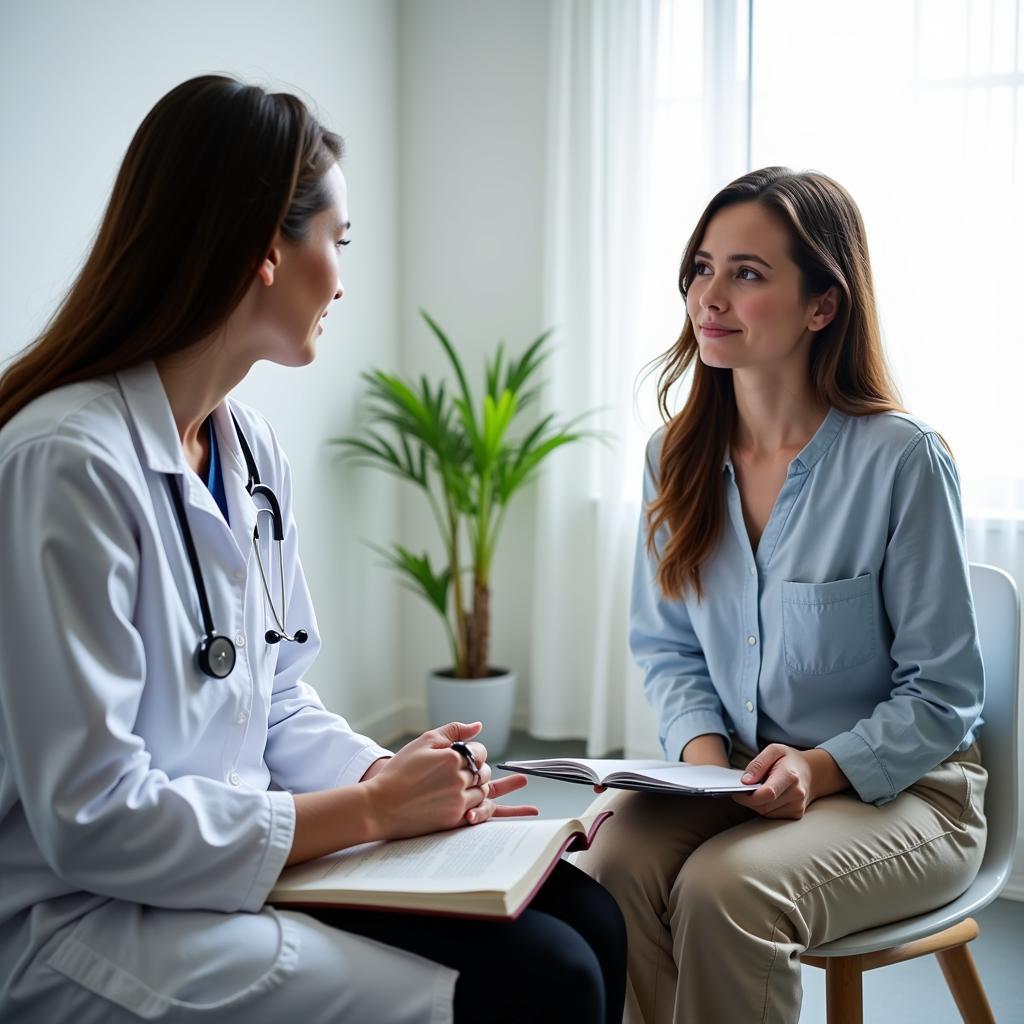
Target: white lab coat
[{"x": 145, "y": 809}]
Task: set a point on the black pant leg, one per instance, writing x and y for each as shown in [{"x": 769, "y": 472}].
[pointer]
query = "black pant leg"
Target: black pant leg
[
  {"x": 535, "y": 969},
  {"x": 577, "y": 899}
]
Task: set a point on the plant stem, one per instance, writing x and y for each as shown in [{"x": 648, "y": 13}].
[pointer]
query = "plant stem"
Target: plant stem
[
  {"x": 492, "y": 542},
  {"x": 438, "y": 516},
  {"x": 456, "y": 572},
  {"x": 479, "y": 624},
  {"x": 451, "y": 535},
  {"x": 483, "y": 524},
  {"x": 479, "y": 650}
]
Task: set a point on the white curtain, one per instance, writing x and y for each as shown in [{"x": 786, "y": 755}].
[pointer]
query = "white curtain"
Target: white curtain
[{"x": 597, "y": 221}]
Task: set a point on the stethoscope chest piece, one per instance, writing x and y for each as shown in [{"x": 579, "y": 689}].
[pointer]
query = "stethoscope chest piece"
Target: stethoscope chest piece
[{"x": 216, "y": 655}]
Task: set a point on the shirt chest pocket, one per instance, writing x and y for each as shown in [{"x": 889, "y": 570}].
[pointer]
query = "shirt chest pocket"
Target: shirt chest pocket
[{"x": 828, "y": 627}]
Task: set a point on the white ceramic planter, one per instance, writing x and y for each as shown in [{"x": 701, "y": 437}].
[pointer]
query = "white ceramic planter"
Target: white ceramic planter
[{"x": 491, "y": 701}]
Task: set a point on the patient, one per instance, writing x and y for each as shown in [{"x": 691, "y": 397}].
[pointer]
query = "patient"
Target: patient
[{"x": 800, "y": 610}]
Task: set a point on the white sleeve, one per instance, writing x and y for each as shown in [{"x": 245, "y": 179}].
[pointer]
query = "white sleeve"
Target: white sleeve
[
  {"x": 308, "y": 747},
  {"x": 73, "y": 668}
]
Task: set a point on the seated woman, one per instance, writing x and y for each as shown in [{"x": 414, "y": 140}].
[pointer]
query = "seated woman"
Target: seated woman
[
  {"x": 801, "y": 610},
  {"x": 161, "y": 757}
]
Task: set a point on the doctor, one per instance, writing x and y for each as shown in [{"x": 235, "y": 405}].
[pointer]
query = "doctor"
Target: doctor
[{"x": 161, "y": 758}]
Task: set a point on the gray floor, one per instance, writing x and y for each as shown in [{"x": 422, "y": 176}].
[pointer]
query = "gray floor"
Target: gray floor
[{"x": 910, "y": 993}]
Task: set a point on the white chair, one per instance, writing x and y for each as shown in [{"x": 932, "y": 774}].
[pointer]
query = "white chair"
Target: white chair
[{"x": 947, "y": 931}]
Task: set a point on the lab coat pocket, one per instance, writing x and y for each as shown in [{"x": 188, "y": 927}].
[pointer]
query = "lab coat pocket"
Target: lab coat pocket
[
  {"x": 153, "y": 961},
  {"x": 828, "y": 627}
]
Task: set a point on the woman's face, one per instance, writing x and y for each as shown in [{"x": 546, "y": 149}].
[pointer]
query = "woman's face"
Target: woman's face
[
  {"x": 745, "y": 301},
  {"x": 299, "y": 280}
]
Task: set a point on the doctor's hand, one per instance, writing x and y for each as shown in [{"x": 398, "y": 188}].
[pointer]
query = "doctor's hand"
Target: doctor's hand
[
  {"x": 428, "y": 787},
  {"x": 790, "y": 780}
]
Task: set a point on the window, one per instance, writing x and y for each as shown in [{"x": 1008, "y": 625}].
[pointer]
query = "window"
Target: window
[{"x": 917, "y": 107}]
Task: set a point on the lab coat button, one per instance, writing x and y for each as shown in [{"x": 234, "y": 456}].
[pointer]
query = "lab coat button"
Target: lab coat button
[
  {"x": 239, "y": 575},
  {"x": 751, "y": 640},
  {"x": 240, "y": 640},
  {"x": 243, "y": 717},
  {"x": 749, "y": 706},
  {"x": 753, "y": 570},
  {"x": 234, "y": 778}
]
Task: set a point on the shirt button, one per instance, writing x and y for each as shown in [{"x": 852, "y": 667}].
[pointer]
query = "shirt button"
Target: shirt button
[
  {"x": 751, "y": 640},
  {"x": 234, "y": 778},
  {"x": 240, "y": 640},
  {"x": 749, "y": 706},
  {"x": 243, "y": 717}
]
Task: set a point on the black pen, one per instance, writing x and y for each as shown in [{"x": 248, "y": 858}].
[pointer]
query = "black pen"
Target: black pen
[{"x": 471, "y": 762}]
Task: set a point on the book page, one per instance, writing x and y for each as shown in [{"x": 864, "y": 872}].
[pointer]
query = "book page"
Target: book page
[
  {"x": 602, "y": 767},
  {"x": 595, "y": 768},
  {"x": 663, "y": 774},
  {"x": 708, "y": 777},
  {"x": 494, "y": 855}
]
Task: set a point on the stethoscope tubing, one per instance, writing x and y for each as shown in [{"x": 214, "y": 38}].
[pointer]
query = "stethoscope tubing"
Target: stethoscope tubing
[{"x": 215, "y": 654}]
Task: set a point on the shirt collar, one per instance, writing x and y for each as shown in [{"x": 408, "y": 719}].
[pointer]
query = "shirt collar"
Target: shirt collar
[
  {"x": 812, "y": 452},
  {"x": 817, "y": 448}
]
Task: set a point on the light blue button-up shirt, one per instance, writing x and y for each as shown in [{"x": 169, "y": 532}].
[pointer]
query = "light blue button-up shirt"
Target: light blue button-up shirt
[{"x": 851, "y": 627}]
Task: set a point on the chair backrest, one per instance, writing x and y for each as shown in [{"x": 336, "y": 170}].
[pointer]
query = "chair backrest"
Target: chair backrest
[{"x": 997, "y": 608}]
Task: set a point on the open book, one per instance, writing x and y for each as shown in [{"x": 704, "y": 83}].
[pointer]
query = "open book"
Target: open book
[
  {"x": 490, "y": 870},
  {"x": 649, "y": 776}
]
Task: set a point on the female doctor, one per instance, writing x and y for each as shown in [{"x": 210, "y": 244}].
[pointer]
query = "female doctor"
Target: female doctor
[{"x": 161, "y": 758}]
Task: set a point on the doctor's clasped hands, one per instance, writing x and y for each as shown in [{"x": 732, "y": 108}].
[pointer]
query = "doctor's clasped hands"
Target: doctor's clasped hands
[{"x": 427, "y": 786}]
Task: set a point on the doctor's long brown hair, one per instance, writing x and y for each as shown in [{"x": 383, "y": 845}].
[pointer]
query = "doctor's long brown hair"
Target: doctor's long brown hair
[
  {"x": 847, "y": 365},
  {"x": 213, "y": 172}
]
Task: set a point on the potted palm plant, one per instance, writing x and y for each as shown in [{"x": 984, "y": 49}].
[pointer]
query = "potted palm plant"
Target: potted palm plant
[{"x": 461, "y": 454}]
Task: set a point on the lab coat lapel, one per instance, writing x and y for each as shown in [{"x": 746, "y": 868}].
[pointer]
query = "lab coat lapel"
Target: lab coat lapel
[
  {"x": 150, "y": 412},
  {"x": 157, "y": 432}
]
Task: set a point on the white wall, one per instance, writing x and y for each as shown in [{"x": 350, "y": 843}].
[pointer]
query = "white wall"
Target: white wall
[
  {"x": 473, "y": 89},
  {"x": 75, "y": 81}
]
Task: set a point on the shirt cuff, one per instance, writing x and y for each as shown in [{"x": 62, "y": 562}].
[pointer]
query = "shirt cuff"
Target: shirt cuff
[
  {"x": 686, "y": 726},
  {"x": 356, "y": 767},
  {"x": 860, "y": 764},
  {"x": 280, "y": 834}
]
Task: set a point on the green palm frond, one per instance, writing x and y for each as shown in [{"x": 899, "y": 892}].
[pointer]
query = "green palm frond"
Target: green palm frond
[{"x": 464, "y": 456}]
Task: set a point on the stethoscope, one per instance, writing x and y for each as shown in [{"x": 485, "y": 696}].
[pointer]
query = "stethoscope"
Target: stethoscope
[{"x": 215, "y": 653}]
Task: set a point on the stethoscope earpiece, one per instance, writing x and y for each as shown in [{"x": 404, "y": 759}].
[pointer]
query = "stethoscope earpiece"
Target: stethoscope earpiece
[
  {"x": 273, "y": 637},
  {"x": 215, "y": 654}
]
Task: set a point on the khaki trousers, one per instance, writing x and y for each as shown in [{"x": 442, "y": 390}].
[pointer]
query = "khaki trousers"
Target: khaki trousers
[{"x": 720, "y": 902}]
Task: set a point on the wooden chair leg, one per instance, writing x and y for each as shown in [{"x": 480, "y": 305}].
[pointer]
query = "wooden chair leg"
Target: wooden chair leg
[
  {"x": 962, "y": 978},
  {"x": 844, "y": 997}
]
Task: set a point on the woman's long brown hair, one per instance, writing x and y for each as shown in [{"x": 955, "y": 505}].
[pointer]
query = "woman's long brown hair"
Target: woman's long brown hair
[
  {"x": 847, "y": 364},
  {"x": 213, "y": 172}
]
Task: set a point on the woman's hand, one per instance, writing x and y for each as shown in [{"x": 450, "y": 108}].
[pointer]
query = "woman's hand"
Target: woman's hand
[
  {"x": 428, "y": 787},
  {"x": 791, "y": 780}
]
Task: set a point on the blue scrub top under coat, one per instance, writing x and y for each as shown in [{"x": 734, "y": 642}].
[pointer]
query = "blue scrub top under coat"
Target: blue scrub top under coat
[{"x": 215, "y": 478}]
